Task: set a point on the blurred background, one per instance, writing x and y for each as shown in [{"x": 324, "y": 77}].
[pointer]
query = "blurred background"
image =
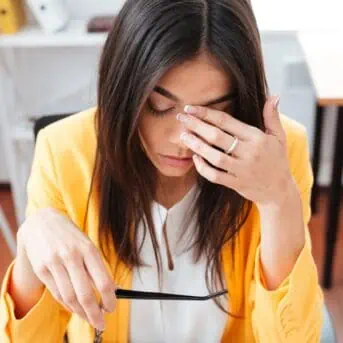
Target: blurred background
[{"x": 49, "y": 53}]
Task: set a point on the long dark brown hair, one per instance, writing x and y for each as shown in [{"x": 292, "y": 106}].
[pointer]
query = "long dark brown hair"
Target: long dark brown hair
[{"x": 148, "y": 38}]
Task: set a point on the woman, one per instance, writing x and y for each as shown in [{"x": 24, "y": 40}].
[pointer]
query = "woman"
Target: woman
[{"x": 184, "y": 179}]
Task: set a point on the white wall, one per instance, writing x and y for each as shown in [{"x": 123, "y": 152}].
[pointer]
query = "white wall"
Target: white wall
[
  {"x": 298, "y": 14},
  {"x": 82, "y": 9},
  {"x": 271, "y": 14}
]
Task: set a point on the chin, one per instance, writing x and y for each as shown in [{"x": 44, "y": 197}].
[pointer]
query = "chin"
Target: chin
[
  {"x": 170, "y": 171},
  {"x": 173, "y": 172}
]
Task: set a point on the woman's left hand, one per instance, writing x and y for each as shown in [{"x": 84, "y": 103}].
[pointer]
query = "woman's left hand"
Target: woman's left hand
[{"x": 258, "y": 168}]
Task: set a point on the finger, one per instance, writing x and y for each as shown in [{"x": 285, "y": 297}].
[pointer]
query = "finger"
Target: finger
[
  {"x": 271, "y": 116},
  {"x": 211, "y": 134},
  {"x": 68, "y": 294},
  {"x": 53, "y": 289},
  {"x": 84, "y": 291},
  {"x": 215, "y": 176},
  {"x": 223, "y": 121},
  {"x": 100, "y": 277},
  {"x": 46, "y": 277},
  {"x": 212, "y": 155},
  {"x": 66, "y": 291}
]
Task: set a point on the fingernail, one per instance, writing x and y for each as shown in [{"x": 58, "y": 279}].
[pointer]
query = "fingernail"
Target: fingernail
[
  {"x": 190, "y": 109},
  {"x": 101, "y": 326},
  {"x": 189, "y": 140},
  {"x": 107, "y": 310},
  {"x": 186, "y": 137},
  {"x": 113, "y": 307},
  {"x": 276, "y": 103},
  {"x": 183, "y": 136},
  {"x": 181, "y": 117},
  {"x": 110, "y": 308},
  {"x": 196, "y": 158}
]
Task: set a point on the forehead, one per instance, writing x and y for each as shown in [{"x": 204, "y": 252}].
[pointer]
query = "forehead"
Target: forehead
[{"x": 197, "y": 81}]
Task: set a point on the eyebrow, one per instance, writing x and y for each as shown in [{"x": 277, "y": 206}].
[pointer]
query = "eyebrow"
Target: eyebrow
[{"x": 171, "y": 96}]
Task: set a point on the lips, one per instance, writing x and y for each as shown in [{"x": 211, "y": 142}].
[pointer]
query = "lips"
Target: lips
[
  {"x": 178, "y": 158},
  {"x": 176, "y": 162}
]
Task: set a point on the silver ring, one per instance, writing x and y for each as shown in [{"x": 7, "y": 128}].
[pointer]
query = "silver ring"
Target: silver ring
[{"x": 232, "y": 147}]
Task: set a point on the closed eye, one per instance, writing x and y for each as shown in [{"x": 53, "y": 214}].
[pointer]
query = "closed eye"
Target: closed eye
[{"x": 157, "y": 112}]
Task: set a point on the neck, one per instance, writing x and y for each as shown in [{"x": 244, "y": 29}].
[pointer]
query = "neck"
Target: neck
[{"x": 170, "y": 190}]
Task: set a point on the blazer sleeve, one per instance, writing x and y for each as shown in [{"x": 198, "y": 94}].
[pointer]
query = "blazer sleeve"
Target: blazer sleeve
[
  {"x": 48, "y": 319},
  {"x": 293, "y": 312}
]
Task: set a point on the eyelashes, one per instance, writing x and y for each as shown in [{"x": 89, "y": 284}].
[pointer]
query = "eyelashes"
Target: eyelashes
[{"x": 158, "y": 113}]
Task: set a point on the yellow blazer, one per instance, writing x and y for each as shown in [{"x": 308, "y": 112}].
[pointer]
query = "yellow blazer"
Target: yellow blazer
[{"x": 60, "y": 178}]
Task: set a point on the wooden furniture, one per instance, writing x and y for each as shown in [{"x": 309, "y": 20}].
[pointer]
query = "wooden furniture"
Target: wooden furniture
[
  {"x": 7, "y": 233},
  {"x": 324, "y": 56}
]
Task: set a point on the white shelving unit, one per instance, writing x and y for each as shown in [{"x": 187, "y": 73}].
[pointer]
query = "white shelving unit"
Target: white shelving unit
[
  {"x": 23, "y": 134},
  {"x": 74, "y": 35},
  {"x": 16, "y": 128}
]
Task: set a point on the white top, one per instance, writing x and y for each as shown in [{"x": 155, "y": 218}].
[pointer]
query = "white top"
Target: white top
[{"x": 155, "y": 321}]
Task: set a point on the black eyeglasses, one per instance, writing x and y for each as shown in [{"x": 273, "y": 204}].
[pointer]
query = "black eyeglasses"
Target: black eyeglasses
[{"x": 139, "y": 295}]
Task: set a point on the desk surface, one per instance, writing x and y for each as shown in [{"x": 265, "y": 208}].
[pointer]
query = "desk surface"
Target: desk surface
[{"x": 324, "y": 56}]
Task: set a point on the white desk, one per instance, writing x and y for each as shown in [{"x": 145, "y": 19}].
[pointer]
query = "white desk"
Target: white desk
[{"x": 324, "y": 55}]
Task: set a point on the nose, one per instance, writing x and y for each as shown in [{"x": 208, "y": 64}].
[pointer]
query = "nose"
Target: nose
[{"x": 176, "y": 129}]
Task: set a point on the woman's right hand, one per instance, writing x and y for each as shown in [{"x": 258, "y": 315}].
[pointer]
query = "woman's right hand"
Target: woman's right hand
[{"x": 67, "y": 263}]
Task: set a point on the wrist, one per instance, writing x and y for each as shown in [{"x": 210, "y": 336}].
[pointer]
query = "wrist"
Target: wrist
[
  {"x": 282, "y": 226},
  {"x": 23, "y": 272},
  {"x": 24, "y": 287},
  {"x": 287, "y": 199}
]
